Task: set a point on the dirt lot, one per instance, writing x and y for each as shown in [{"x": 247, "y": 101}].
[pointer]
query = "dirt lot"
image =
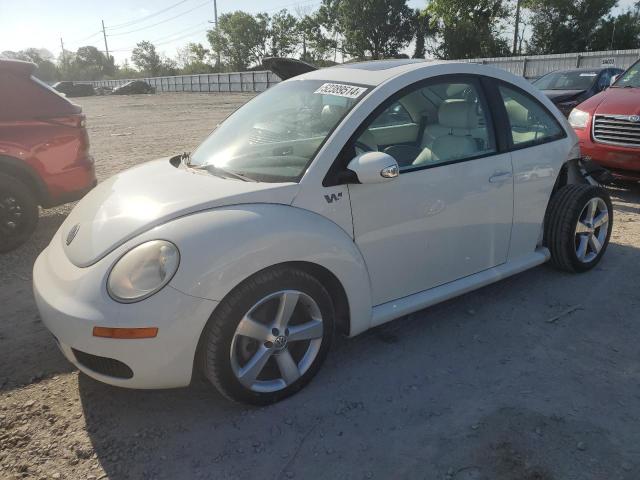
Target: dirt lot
[{"x": 486, "y": 386}]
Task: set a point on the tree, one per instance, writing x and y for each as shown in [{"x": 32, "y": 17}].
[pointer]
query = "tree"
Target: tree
[
  {"x": 468, "y": 28},
  {"x": 89, "y": 63},
  {"x": 147, "y": 60},
  {"x": 240, "y": 38},
  {"x": 563, "y": 26},
  {"x": 197, "y": 52},
  {"x": 617, "y": 33},
  {"x": 420, "y": 26},
  {"x": 283, "y": 34},
  {"x": 317, "y": 47},
  {"x": 369, "y": 28},
  {"x": 192, "y": 59}
]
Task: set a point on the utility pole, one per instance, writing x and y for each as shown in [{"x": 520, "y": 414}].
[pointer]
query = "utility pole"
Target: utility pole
[
  {"x": 64, "y": 62},
  {"x": 215, "y": 20},
  {"x": 104, "y": 34},
  {"x": 515, "y": 33},
  {"x": 613, "y": 34}
]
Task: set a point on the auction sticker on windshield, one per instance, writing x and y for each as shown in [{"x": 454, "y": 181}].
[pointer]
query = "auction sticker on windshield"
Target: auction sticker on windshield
[{"x": 341, "y": 90}]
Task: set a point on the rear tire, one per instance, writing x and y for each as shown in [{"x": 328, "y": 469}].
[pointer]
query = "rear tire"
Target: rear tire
[
  {"x": 18, "y": 213},
  {"x": 578, "y": 227},
  {"x": 251, "y": 326}
]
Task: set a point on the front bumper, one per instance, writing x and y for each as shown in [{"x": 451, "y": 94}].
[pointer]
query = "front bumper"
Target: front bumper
[
  {"x": 73, "y": 300},
  {"x": 621, "y": 161}
]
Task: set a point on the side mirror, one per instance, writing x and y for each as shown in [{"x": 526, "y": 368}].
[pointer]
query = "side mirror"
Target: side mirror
[
  {"x": 613, "y": 79},
  {"x": 374, "y": 167}
]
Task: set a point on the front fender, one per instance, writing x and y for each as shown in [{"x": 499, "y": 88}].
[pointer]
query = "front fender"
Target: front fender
[{"x": 220, "y": 248}]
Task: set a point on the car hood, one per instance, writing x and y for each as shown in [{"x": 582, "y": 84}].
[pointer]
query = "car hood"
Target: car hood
[
  {"x": 561, "y": 95},
  {"x": 619, "y": 101},
  {"x": 149, "y": 195}
]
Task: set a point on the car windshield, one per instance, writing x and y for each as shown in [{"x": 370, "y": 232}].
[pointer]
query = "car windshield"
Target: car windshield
[
  {"x": 630, "y": 78},
  {"x": 571, "y": 80},
  {"x": 275, "y": 136}
]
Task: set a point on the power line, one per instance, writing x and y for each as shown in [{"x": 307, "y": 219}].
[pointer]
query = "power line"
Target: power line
[
  {"x": 171, "y": 38},
  {"x": 138, "y": 20},
  {"x": 161, "y": 22},
  {"x": 86, "y": 38}
]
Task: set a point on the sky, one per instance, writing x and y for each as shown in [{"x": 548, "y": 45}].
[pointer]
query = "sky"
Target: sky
[{"x": 42, "y": 23}]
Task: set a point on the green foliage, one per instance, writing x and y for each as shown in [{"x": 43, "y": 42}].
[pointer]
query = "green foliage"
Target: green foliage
[
  {"x": 241, "y": 38},
  {"x": 316, "y": 46},
  {"x": 147, "y": 60},
  {"x": 468, "y": 28},
  {"x": 617, "y": 33},
  {"x": 197, "y": 52},
  {"x": 562, "y": 26},
  {"x": 369, "y": 28},
  {"x": 283, "y": 34},
  {"x": 421, "y": 30}
]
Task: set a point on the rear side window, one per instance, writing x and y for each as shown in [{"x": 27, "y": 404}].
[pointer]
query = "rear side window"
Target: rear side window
[
  {"x": 23, "y": 97},
  {"x": 530, "y": 122}
]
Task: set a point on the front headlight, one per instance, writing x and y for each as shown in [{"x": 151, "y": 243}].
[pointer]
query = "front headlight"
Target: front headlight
[
  {"x": 578, "y": 118},
  {"x": 143, "y": 271}
]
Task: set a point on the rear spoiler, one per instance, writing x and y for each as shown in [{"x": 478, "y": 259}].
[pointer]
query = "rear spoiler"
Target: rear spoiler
[{"x": 287, "y": 67}]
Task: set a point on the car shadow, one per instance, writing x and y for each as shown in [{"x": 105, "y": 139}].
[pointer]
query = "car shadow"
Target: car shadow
[
  {"x": 28, "y": 350},
  {"x": 435, "y": 369}
]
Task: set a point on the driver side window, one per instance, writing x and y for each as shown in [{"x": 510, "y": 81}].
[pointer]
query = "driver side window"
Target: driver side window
[{"x": 441, "y": 123}]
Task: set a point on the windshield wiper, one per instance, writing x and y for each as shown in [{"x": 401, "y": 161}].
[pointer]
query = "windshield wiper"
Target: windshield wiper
[
  {"x": 223, "y": 172},
  {"x": 219, "y": 171},
  {"x": 185, "y": 157}
]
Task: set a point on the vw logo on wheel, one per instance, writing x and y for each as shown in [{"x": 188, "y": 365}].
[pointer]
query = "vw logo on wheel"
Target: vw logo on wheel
[
  {"x": 280, "y": 342},
  {"x": 634, "y": 118}
]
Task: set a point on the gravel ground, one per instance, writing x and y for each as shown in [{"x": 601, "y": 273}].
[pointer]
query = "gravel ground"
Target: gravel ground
[{"x": 533, "y": 378}]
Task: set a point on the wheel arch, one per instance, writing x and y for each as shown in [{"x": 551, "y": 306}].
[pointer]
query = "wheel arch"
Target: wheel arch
[
  {"x": 569, "y": 174},
  {"x": 223, "y": 247}
]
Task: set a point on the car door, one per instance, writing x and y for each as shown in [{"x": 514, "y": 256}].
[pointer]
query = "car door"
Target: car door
[
  {"x": 539, "y": 146},
  {"x": 449, "y": 212}
]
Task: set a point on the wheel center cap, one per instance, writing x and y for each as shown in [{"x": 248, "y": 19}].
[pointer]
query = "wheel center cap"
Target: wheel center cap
[{"x": 280, "y": 342}]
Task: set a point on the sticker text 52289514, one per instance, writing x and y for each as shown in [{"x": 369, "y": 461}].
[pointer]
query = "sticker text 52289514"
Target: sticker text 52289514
[{"x": 341, "y": 90}]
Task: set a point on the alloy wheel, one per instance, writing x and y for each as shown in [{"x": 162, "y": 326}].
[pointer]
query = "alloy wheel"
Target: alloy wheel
[
  {"x": 276, "y": 341},
  {"x": 591, "y": 229}
]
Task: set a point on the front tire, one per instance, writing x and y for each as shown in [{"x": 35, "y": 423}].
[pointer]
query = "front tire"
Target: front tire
[
  {"x": 578, "y": 227},
  {"x": 18, "y": 213},
  {"x": 268, "y": 337}
]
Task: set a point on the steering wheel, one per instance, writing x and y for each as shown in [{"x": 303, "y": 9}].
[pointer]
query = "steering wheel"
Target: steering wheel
[{"x": 363, "y": 147}]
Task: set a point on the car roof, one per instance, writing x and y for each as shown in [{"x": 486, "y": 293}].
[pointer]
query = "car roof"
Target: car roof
[
  {"x": 582, "y": 69},
  {"x": 17, "y": 66},
  {"x": 372, "y": 72}
]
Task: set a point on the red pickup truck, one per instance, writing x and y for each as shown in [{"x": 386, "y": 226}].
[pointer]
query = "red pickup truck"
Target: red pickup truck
[
  {"x": 608, "y": 126},
  {"x": 44, "y": 151}
]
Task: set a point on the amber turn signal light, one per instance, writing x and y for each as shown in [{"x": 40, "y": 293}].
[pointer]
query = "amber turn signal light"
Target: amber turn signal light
[{"x": 125, "y": 333}]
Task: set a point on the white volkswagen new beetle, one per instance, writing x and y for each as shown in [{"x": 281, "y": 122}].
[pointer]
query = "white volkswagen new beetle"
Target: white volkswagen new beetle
[{"x": 333, "y": 202}]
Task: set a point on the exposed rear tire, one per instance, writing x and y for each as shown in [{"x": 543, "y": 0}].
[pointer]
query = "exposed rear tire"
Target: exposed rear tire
[
  {"x": 252, "y": 353},
  {"x": 18, "y": 213},
  {"x": 578, "y": 227}
]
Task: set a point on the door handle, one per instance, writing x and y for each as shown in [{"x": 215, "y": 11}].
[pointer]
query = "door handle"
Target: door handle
[{"x": 500, "y": 177}]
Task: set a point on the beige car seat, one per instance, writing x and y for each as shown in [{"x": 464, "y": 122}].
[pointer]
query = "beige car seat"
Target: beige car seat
[{"x": 452, "y": 136}]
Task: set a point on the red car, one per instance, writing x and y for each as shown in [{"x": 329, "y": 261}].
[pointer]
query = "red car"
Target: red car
[
  {"x": 608, "y": 126},
  {"x": 44, "y": 151}
]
